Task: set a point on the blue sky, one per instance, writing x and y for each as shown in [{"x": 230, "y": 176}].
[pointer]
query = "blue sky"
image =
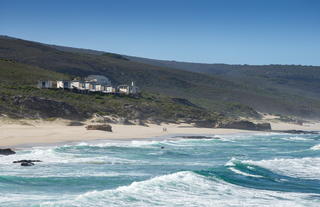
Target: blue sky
[{"x": 208, "y": 31}]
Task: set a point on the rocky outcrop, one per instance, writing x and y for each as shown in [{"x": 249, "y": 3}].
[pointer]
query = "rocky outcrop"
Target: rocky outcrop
[
  {"x": 205, "y": 123},
  {"x": 7, "y": 152},
  {"x": 196, "y": 137},
  {"x": 37, "y": 107},
  {"x": 246, "y": 125},
  {"x": 102, "y": 127},
  {"x": 27, "y": 164},
  {"x": 21, "y": 161},
  {"x": 296, "y": 131}
]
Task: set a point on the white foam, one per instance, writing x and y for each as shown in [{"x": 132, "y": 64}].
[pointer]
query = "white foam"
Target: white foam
[
  {"x": 316, "y": 147},
  {"x": 49, "y": 155},
  {"x": 308, "y": 167},
  {"x": 294, "y": 139},
  {"x": 185, "y": 189},
  {"x": 243, "y": 173}
]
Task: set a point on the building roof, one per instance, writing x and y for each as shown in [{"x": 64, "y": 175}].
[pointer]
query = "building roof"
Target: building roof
[{"x": 99, "y": 79}]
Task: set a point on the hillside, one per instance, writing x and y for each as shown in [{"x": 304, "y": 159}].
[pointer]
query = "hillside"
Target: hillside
[
  {"x": 20, "y": 99},
  {"x": 216, "y": 93},
  {"x": 289, "y": 78}
]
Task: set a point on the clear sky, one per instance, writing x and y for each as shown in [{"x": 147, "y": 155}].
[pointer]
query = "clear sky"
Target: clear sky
[{"x": 209, "y": 31}]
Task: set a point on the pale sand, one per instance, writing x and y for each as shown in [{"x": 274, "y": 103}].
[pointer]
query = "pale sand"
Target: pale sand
[
  {"x": 313, "y": 126},
  {"x": 13, "y": 133}
]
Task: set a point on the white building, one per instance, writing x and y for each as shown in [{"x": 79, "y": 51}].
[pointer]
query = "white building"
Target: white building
[
  {"x": 64, "y": 84},
  {"x": 93, "y": 83},
  {"x": 80, "y": 85},
  {"x": 134, "y": 89},
  {"x": 46, "y": 84},
  {"x": 126, "y": 89},
  {"x": 109, "y": 89},
  {"x": 87, "y": 86}
]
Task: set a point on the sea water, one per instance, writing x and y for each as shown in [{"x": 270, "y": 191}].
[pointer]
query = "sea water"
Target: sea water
[{"x": 265, "y": 169}]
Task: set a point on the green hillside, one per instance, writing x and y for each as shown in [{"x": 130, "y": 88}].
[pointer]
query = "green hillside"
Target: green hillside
[
  {"x": 213, "y": 92},
  {"x": 297, "y": 79},
  {"x": 21, "y": 99}
]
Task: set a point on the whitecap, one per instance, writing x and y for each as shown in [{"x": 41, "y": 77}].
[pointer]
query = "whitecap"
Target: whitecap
[
  {"x": 316, "y": 147},
  {"x": 296, "y": 138},
  {"x": 185, "y": 189},
  {"x": 307, "y": 167},
  {"x": 243, "y": 173}
]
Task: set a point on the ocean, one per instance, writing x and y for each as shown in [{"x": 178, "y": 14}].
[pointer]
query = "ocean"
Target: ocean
[{"x": 265, "y": 169}]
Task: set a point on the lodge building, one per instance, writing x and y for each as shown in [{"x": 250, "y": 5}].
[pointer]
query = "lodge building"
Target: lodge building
[{"x": 92, "y": 83}]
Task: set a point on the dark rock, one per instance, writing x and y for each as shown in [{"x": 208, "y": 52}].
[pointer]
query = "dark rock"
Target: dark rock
[
  {"x": 263, "y": 126},
  {"x": 103, "y": 127},
  {"x": 7, "y": 152},
  {"x": 27, "y": 164},
  {"x": 29, "y": 161},
  {"x": 196, "y": 137},
  {"x": 243, "y": 124},
  {"x": 296, "y": 131},
  {"x": 75, "y": 123}
]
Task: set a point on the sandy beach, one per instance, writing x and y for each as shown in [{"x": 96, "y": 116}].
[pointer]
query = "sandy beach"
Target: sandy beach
[
  {"x": 32, "y": 132},
  {"x": 54, "y": 132}
]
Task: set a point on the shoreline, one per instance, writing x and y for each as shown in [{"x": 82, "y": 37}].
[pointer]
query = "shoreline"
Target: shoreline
[
  {"x": 28, "y": 133},
  {"x": 17, "y": 135}
]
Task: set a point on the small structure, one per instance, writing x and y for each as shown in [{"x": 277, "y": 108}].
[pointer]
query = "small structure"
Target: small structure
[
  {"x": 64, "y": 84},
  {"x": 134, "y": 89},
  {"x": 45, "y": 84},
  {"x": 92, "y": 87},
  {"x": 123, "y": 89},
  {"x": 99, "y": 87},
  {"x": 126, "y": 89},
  {"x": 108, "y": 89},
  {"x": 87, "y": 86},
  {"x": 80, "y": 85}
]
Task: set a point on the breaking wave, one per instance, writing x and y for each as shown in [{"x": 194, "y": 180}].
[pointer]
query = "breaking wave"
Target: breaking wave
[
  {"x": 307, "y": 167},
  {"x": 185, "y": 189}
]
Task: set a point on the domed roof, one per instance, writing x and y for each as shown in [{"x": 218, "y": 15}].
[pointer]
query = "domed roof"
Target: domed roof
[{"x": 99, "y": 79}]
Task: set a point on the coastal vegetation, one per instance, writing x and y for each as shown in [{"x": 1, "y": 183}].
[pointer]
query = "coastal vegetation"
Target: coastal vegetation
[
  {"x": 20, "y": 98},
  {"x": 168, "y": 94}
]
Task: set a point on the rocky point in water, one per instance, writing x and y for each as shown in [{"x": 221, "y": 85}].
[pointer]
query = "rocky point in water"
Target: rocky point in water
[
  {"x": 20, "y": 161},
  {"x": 7, "y": 151},
  {"x": 27, "y": 162},
  {"x": 196, "y": 137}
]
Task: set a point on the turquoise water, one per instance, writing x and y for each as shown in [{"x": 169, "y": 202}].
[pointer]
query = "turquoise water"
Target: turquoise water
[{"x": 231, "y": 170}]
